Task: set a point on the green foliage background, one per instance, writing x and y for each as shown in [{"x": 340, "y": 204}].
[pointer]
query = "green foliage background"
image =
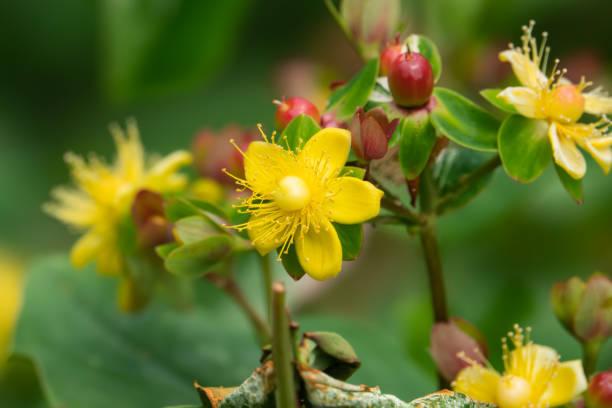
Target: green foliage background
[{"x": 70, "y": 68}]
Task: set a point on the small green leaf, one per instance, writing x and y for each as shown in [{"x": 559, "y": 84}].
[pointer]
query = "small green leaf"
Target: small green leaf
[
  {"x": 298, "y": 131},
  {"x": 181, "y": 207},
  {"x": 464, "y": 122},
  {"x": 164, "y": 250},
  {"x": 571, "y": 185},
  {"x": 196, "y": 259},
  {"x": 345, "y": 100},
  {"x": 491, "y": 96},
  {"x": 351, "y": 238},
  {"x": 194, "y": 228},
  {"x": 331, "y": 353},
  {"x": 292, "y": 264},
  {"x": 417, "y": 140},
  {"x": 352, "y": 171},
  {"x": 524, "y": 147},
  {"x": 207, "y": 207},
  {"x": 428, "y": 49}
]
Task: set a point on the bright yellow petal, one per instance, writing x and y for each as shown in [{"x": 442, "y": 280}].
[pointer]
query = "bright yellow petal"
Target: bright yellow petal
[
  {"x": 525, "y": 70},
  {"x": 353, "y": 201},
  {"x": 326, "y": 152},
  {"x": 264, "y": 234},
  {"x": 10, "y": 299},
  {"x": 130, "y": 153},
  {"x": 601, "y": 153},
  {"x": 524, "y": 100},
  {"x": 109, "y": 261},
  {"x": 566, "y": 385},
  {"x": 266, "y": 163},
  {"x": 86, "y": 249},
  {"x": 162, "y": 175},
  {"x": 597, "y": 104},
  {"x": 72, "y": 207},
  {"x": 319, "y": 251},
  {"x": 566, "y": 154},
  {"x": 478, "y": 382}
]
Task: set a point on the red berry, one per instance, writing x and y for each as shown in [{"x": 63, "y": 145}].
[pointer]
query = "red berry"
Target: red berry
[
  {"x": 292, "y": 107},
  {"x": 599, "y": 392},
  {"x": 388, "y": 56},
  {"x": 411, "y": 79}
]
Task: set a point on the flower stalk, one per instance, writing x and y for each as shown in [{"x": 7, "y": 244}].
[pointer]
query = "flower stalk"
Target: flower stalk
[
  {"x": 282, "y": 349},
  {"x": 590, "y": 350}
]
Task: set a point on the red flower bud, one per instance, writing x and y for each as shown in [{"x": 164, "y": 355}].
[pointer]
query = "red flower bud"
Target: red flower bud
[
  {"x": 390, "y": 54},
  {"x": 148, "y": 215},
  {"x": 292, "y": 107},
  {"x": 599, "y": 392},
  {"x": 411, "y": 80},
  {"x": 449, "y": 340},
  {"x": 370, "y": 132},
  {"x": 213, "y": 152}
]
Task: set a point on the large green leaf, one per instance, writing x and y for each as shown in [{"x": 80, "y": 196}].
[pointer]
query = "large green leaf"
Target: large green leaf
[
  {"x": 197, "y": 258},
  {"x": 453, "y": 164},
  {"x": 345, "y": 100},
  {"x": 417, "y": 140},
  {"x": 90, "y": 355},
  {"x": 464, "y": 122},
  {"x": 298, "y": 131},
  {"x": 491, "y": 96},
  {"x": 428, "y": 49},
  {"x": 524, "y": 147},
  {"x": 571, "y": 185},
  {"x": 351, "y": 238}
]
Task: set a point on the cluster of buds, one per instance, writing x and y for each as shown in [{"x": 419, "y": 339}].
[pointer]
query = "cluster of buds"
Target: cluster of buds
[
  {"x": 370, "y": 132},
  {"x": 455, "y": 344},
  {"x": 148, "y": 215}
]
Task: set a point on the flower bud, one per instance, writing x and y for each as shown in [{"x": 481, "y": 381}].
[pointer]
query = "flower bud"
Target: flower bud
[
  {"x": 584, "y": 308},
  {"x": 148, "y": 215},
  {"x": 390, "y": 54},
  {"x": 292, "y": 107},
  {"x": 212, "y": 152},
  {"x": 370, "y": 132},
  {"x": 454, "y": 344},
  {"x": 411, "y": 80},
  {"x": 599, "y": 392}
]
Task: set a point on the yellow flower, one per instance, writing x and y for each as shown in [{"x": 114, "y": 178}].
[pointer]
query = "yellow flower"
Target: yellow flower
[
  {"x": 10, "y": 300},
  {"x": 104, "y": 194},
  {"x": 296, "y": 197},
  {"x": 533, "y": 377},
  {"x": 561, "y": 103}
]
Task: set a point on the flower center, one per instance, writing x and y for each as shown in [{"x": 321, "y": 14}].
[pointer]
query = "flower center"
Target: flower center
[
  {"x": 513, "y": 392},
  {"x": 292, "y": 194},
  {"x": 566, "y": 104}
]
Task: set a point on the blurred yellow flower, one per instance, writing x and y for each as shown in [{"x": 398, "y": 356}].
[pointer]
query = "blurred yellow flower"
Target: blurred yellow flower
[
  {"x": 533, "y": 377},
  {"x": 299, "y": 195},
  {"x": 10, "y": 300},
  {"x": 104, "y": 194},
  {"x": 556, "y": 100}
]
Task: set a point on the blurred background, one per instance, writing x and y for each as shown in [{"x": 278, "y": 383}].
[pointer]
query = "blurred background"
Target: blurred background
[{"x": 70, "y": 68}]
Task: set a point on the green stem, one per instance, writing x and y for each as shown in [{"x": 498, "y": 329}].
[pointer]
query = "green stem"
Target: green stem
[
  {"x": 266, "y": 270},
  {"x": 466, "y": 181},
  {"x": 393, "y": 204},
  {"x": 229, "y": 286},
  {"x": 591, "y": 351},
  {"x": 282, "y": 350}
]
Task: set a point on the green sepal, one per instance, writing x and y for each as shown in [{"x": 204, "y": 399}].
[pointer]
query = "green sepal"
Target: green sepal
[
  {"x": 524, "y": 147},
  {"x": 164, "y": 250},
  {"x": 351, "y": 239},
  {"x": 352, "y": 171},
  {"x": 417, "y": 140},
  {"x": 428, "y": 49},
  {"x": 491, "y": 96},
  {"x": 195, "y": 228},
  {"x": 464, "y": 122},
  {"x": 198, "y": 258},
  {"x": 329, "y": 352},
  {"x": 298, "y": 132},
  {"x": 181, "y": 207},
  {"x": 292, "y": 265},
  {"x": 345, "y": 100},
  {"x": 571, "y": 185}
]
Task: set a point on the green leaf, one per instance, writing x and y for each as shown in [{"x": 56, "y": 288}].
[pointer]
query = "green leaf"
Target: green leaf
[
  {"x": 453, "y": 163},
  {"x": 164, "y": 250},
  {"x": 194, "y": 228},
  {"x": 417, "y": 140},
  {"x": 330, "y": 353},
  {"x": 351, "y": 238},
  {"x": 345, "y": 100},
  {"x": 181, "y": 207},
  {"x": 524, "y": 147},
  {"x": 352, "y": 171},
  {"x": 71, "y": 329},
  {"x": 464, "y": 122},
  {"x": 571, "y": 185},
  {"x": 491, "y": 96},
  {"x": 298, "y": 131},
  {"x": 197, "y": 258},
  {"x": 428, "y": 49},
  {"x": 292, "y": 264},
  {"x": 20, "y": 385}
]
